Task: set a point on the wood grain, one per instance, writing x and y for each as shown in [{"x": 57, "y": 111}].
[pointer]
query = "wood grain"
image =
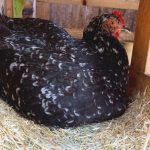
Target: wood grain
[
  {"x": 9, "y": 7},
  {"x": 142, "y": 37},
  {"x": 42, "y": 10},
  {"x": 124, "y": 4},
  {"x": 72, "y": 16},
  {"x": 147, "y": 67},
  {"x": 138, "y": 82},
  {"x": 62, "y": 1},
  {"x": 140, "y": 59}
]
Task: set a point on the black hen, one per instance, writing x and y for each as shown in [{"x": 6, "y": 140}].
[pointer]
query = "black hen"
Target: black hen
[{"x": 50, "y": 77}]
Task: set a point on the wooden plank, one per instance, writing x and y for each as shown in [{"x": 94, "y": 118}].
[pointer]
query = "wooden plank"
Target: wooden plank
[
  {"x": 142, "y": 37},
  {"x": 147, "y": 68},
  {"x": 42, "y": 10},
  {"x": 124, "y": 4},
  {"x": 34, "y": 8},
  {"x": 72, "y": 16},
  {"x": 138, "y": 80},
  {"x": 9, "y": 7},
  {"x": 63, "y": 1}
]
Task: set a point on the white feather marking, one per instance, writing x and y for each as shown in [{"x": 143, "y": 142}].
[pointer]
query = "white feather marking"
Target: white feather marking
[
  {"x": 115, "y": 51},
  {"x": 35, "y": 83},
  {"x": 70, "y": 121},
  {"x": 109, "y": 114},
  {"x": 67, "y": 88},
  {"x": 24, "y": 75},
  {"x": 60, "y": 66},
  {"x": 17, "y": 90},
  {"x": 101, "y": 50},
  {"x": 13, "y": 98},
  {"x": 12, "y": 66},
  {"x": 82, "y": 64},
  {"x": 43, "y": 90},
  {"x": 88, "y": 117},
  {"x": 76, "y": 114}
]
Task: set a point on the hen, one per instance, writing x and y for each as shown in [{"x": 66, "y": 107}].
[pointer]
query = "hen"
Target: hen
[{"x": 56, "y": 80}]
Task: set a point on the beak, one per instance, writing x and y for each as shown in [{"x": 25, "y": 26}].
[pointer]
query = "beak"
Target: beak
[{"x": 125, "y": 29}]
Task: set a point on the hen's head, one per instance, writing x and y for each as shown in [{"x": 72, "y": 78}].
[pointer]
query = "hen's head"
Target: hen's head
[
  {"x": 108, "y": 24},
  {"x": 113, "y": 24}
]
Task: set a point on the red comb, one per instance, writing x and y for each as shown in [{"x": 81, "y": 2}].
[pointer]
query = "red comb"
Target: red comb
[{"x": 119, "y": 15}]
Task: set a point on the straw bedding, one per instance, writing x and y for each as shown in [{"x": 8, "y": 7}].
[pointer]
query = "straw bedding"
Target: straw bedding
[{"x": 129, "y": 132}]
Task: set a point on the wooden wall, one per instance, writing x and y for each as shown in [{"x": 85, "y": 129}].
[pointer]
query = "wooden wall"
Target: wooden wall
[
  {"x": 78, "y": 16},
  {"x": 72, "y": 15}
]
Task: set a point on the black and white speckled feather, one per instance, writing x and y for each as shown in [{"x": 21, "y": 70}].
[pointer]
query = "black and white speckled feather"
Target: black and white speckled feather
[{"x": 49, "y": 77}]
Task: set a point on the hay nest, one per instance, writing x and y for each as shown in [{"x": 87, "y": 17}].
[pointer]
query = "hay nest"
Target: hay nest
[{"x": 129, "y": 132}]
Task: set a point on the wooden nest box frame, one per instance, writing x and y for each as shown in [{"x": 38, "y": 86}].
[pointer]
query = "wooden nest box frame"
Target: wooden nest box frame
[{"x": 140, "y": 64}]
